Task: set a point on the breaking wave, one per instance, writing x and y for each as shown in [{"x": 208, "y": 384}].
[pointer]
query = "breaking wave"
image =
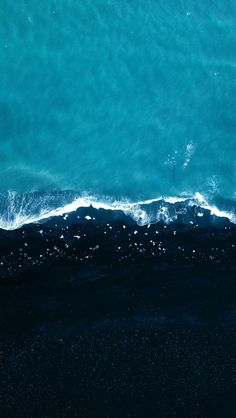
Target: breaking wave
[{"x": 17, "y": 210}]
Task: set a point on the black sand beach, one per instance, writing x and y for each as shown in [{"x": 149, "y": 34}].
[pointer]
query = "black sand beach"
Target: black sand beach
[{"x": 102, "y": 318}]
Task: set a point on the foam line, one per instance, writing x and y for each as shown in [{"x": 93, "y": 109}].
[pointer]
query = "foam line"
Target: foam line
[
  {"x": 213, "y": 209},
  {"x": 136, "y": 210}
]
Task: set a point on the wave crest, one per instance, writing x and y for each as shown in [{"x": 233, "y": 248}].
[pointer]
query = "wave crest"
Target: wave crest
[{"x": 17, "y": 210}]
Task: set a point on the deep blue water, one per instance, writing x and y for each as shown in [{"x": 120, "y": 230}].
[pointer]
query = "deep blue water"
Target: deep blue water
[{"x": 128, "y": 99}]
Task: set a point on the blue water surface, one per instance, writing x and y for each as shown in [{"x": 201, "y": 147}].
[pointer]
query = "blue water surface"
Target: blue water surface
[{"x": 126, "y": 98}]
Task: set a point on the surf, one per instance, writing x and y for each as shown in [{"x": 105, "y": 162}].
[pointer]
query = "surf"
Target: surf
[{"x": 18, "y": 210}]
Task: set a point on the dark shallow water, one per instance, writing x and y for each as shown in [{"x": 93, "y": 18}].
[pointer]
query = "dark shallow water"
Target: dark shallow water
[{"x": 124, "y": 321}]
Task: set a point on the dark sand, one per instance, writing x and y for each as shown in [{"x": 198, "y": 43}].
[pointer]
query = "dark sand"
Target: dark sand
[{"x": 124, "y": 321}]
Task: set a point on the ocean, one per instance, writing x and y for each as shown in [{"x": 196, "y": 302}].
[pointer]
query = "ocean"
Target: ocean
[
  {"x": 125, "y": 100},
  {"x": 117, "y": 209}
]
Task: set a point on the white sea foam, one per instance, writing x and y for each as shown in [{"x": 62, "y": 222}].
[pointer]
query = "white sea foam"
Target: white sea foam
[
  {"x": 22, "y": 215},
  {"x": 190, "y": 149},
  {"x": 213, "y": 209}
]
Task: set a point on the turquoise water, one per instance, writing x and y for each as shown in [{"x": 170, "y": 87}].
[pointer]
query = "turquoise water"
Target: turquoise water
[{"x": 126, "y": 98}]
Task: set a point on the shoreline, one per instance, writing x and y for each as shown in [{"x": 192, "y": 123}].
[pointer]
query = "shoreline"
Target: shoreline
[{"x": 90, "y": 235}]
